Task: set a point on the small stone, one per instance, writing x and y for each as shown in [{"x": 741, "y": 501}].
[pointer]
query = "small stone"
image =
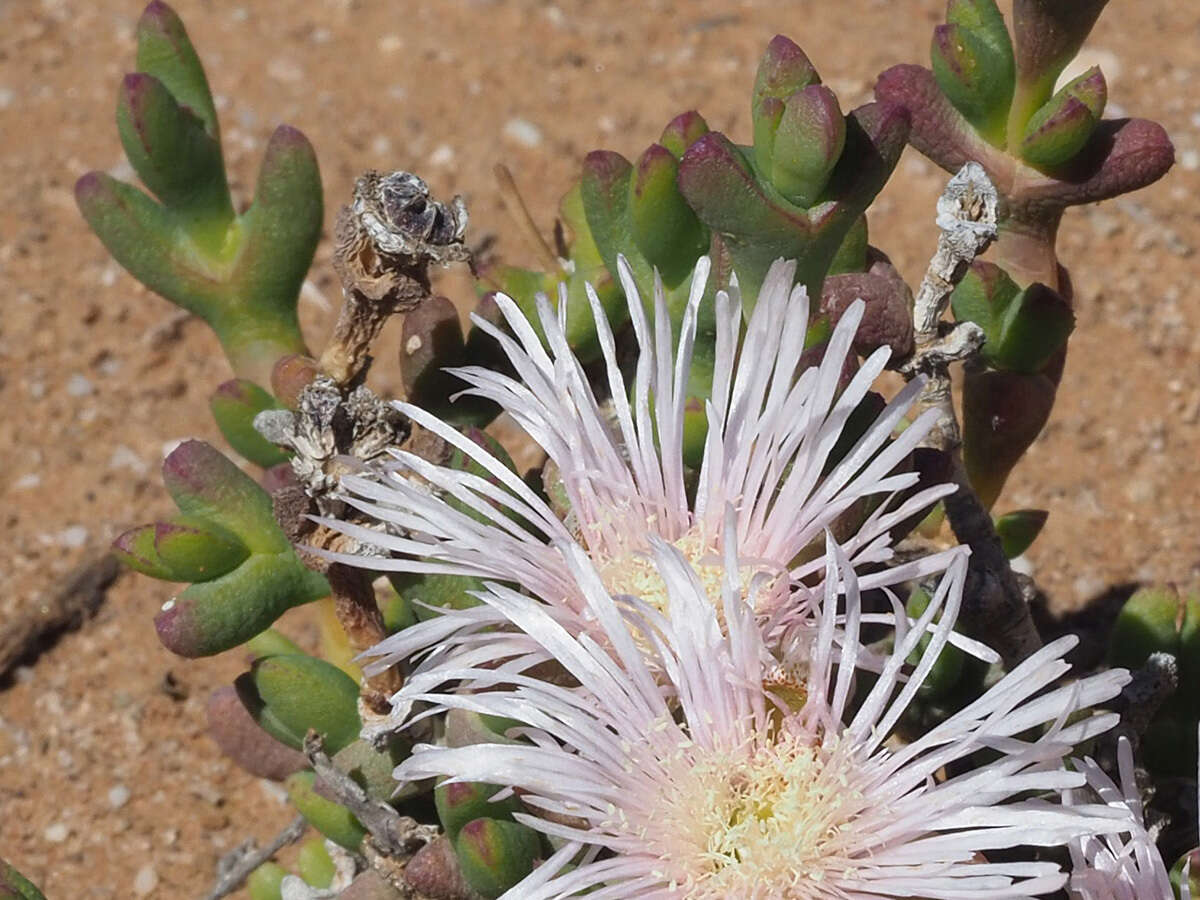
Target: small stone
[
  {"x": 56, "y": 833},
  {"x": 7, "y": 95},
  {"x": 73, "y": 537},
  {"x": 79, "y": 385},
  {"x": 390, "y": 43},
  {"x": 1190, "y": 160},
  {"x": 523, "y": 132},
  {"x": 443, "y": 155},
  {"x": 118, "y": 796},
  {"x": 27, "y": 482},
  {"x": 125, "y": 458},
  {"x": 285, "y": 70},
  {"x": 145, "y": 881}
]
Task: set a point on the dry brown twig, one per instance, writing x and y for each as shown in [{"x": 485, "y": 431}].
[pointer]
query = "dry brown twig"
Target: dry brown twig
[
  {"x": 235, "y": 867},
  {"x": 995, "y": 602}
]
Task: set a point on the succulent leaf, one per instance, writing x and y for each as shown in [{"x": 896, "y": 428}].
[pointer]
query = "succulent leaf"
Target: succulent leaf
[
  {"x": 234, "y": 405},
  {"x": 331, "y": 819},
  {"x": 303, "y": 692}
]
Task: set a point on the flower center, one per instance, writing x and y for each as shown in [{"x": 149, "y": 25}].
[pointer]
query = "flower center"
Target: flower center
[
  {"x": 635, "y": 573},
  {"x": 764, "y": 821}
]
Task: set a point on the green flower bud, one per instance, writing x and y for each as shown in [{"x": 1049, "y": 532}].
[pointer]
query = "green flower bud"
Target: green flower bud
[
  {"x": 1058, "y": 131},
  {"x": 683, "y": 131},
  {"x": 495, "y": 855},
  {"x": 975, "y": 78},
  {"x": 808, "y": 141}
]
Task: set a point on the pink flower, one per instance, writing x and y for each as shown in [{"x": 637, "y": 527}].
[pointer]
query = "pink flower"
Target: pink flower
[
  {"x": 772, "y": 431},
  {"x": 1122, "y": 865},
  {"x": 713, "y": 786}
]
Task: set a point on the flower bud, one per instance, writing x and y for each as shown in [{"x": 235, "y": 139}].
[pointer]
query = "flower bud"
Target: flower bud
[
  {"x": 976, "y": 79},
  {"x": 176, "y": 158},
  {"x": 808, "y": 141},
  {"x": 495, "y": 855},
  {"x": 683, "y": 131},
  {"x": 460, "y": 802},
  {"x": 1061, "y": 127}
]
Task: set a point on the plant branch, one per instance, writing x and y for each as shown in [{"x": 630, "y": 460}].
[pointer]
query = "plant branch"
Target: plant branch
[
  {"x": 235, "y": 867},
  {"x": 994, "y": 603}
]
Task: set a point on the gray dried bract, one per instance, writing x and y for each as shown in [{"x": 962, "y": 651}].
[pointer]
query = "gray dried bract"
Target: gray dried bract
[
  {"x": 401, "y": 218},
  {"x": 332, "y": 424}
]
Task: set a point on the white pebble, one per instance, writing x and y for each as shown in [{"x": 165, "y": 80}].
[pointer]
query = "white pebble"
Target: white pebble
[
  {"x": 73, "y": 537},
  {"x": 27, "y": 482},
  {"x": 118, "y": 796},
  {"x": 1190, "y": 160},
  {"x": 145, "y": 881},
  {"x": 390, "y": 43},
  {"x": 79, "y": 385},
  {"x": 443, "y": 155},
  {"x": 7, "y": 95},
  {"x": 124, "y": 458},
  {"x": 523, "y": 132},
  {"x": 56, "y": 833},
  {"x": 282, "y": 69}
]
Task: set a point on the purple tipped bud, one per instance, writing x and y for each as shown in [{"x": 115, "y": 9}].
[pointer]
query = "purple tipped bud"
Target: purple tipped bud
[
  {"x": 460, "y": 802},
  {"x": 242, "y": 740},
  {"x": 495, "y": 855},
  {"x": 135, "y": 548},
  {"x": 1060, "y": 129},
  {"x": 783, "y": 70},
  {"x": 166, "y": 52},
  {"x": 664, "y": 227},
  {"x": 214, "y": 616},
  {"x": 195, "y": 551},
  {"x": 977, "y": 80},
  {"x": 1048, "y": 35},
  {"x": 205, "y": 484},
  {"x": 808, "y": 141},
  {"x": 683, "y": 131},
  {"x": 175, "y": 157}
]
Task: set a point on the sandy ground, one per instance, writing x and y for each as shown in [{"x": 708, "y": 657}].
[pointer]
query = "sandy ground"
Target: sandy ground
[{"x": 108, "y": 785}]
